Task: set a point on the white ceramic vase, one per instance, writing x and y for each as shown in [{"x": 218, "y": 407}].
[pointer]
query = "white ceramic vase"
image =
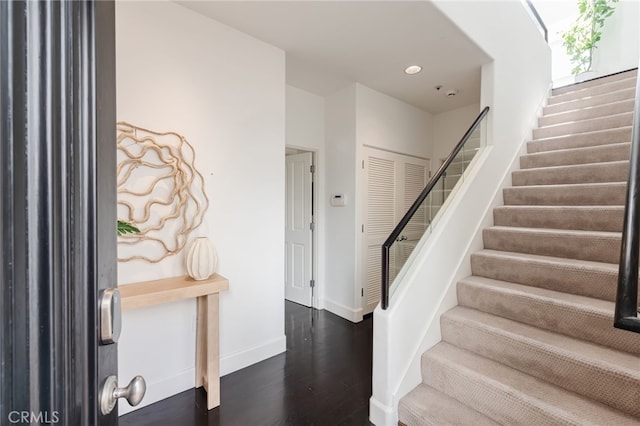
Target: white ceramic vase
[{"x": 201, "y": 259}]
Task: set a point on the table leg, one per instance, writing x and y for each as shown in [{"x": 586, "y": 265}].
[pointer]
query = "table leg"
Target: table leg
[
  {"x": 213, "y": 354},
  {"x": 201, "y": 341}
]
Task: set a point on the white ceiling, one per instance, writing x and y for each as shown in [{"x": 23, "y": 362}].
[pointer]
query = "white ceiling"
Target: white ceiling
[{"x": 330, "y": 44}]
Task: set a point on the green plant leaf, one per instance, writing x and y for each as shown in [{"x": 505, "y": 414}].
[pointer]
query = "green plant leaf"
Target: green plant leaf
[
  {"x": 126, "y": 228},
  {"x": 583, "y": 36}
]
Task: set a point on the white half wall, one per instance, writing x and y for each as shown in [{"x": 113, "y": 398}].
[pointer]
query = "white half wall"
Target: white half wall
[
  {"x": 225, "y": 92},
  {"x": 513, "y": 85},
  {"x": 448, "y": 128},
  {"x": 306, "y": 130},
  {"x": 619, "y": 47}
]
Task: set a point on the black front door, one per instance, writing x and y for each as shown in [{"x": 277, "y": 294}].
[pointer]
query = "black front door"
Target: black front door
[{"x": 58, "y": 209}]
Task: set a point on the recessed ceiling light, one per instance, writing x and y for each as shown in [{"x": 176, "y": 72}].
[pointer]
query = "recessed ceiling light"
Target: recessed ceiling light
[{"x": 413, "y": 69}]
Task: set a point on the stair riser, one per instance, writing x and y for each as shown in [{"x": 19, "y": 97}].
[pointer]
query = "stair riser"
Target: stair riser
[
  {"x": 586, "y": 114},
  {"x": 603, "y": 99},
  {"x": 589, "y": 173},
  {"x": 593, "y": 91},
  {"x": 607, "y": 137},
  {"x": 522, "y": 354},
  {"x": 596, "y": 283},
  {"x": 484, "y": 396},
  {"x": 609, "y": 122},
  {"x": 561, "y": 218},
  {"x": 598, "y": 154},
  {"x": 597, "y": 249},
  {"x": 546, "y": 314},
  {"x": 595, "y": 82},
  {"x": 603, "y": 195}
]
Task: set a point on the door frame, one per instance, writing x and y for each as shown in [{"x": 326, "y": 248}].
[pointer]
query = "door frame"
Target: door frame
[
  {"x": 58, "y": 211},
  {"x": 318, "y": 290}
]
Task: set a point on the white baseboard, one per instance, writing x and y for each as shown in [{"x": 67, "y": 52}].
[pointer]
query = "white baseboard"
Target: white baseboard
[
  {"x": 161, "y": 390},
  {"x": 244, "y": 358},
  {"x": 186, "y": 380},
  {"x": 382, "y": 415},
  {"x": 353, "y": 315}
]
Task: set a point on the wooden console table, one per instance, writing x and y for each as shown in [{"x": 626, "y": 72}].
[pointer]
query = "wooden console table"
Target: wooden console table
[{"x": 150, "y": 293}]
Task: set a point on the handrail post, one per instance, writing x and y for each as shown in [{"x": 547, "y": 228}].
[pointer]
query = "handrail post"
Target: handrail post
[{"x": 385, "y": 277}]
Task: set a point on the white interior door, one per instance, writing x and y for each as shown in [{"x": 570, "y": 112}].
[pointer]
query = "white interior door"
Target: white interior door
[
  {"x": 298, "y": 233},
  {"x": 392, "y": 183}
]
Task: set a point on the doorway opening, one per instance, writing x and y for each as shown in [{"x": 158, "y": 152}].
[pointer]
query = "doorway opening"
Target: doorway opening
[{"x": 300, "y": 224}]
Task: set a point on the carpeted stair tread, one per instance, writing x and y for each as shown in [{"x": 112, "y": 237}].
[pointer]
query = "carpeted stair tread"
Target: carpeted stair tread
[
  {"x": 581, "y": 140},
  {"x": 602, "y": 99},
  {"x": 509, "y": 396},
  {"x": 573, "y": 156},
  {"x": 426, "y": 406},
  {"x": 593, "y": 91},
  {"x": 584, "y": 126},
  {"x": 632, "y": 73},
  {"x": 597, "y": 246},
  {"x": 617, "y": 107},
  {"x": 585, "y": 218},
  {"x": 577, "y": 316},
  {"x": 606, "y": 193},
  {"x": 580, "y": 277},
  {"x": 603, "y": 374},
  {"x": 611, "y": 171}
]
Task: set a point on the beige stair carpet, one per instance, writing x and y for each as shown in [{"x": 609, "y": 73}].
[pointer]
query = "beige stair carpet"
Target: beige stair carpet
[{"x": 531, "y": 341}]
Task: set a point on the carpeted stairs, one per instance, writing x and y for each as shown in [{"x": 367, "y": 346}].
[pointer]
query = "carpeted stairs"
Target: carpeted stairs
[{"x": 531, "y": 341}]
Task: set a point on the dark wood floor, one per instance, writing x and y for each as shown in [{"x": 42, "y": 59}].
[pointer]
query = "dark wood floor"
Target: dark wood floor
[{"x": 324, "y": 378}]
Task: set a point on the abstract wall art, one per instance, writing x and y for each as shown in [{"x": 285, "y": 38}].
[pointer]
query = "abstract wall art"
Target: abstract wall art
[{"x": 159, "y": 190}]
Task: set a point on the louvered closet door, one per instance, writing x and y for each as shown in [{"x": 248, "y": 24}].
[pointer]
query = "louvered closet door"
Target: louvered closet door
[
  {"x": 380, "y": 219},
  {"x": 392, "y": 183}
]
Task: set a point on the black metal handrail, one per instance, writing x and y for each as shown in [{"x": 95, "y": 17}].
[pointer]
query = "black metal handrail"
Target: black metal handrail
[
  {"x": 416, "y": 205},
  {"x": 626, "y": 314},
  {"x": 536, "y": 15}
]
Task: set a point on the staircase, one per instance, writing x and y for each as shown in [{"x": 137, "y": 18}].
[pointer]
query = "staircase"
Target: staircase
[{"x": 531, "y": 341}]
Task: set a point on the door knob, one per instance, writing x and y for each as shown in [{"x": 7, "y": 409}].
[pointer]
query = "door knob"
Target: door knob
[{"x": 133, "y": 393}]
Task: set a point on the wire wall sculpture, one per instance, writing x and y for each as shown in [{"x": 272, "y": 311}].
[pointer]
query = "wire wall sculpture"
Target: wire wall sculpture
[{"x": 159, "y": 190}]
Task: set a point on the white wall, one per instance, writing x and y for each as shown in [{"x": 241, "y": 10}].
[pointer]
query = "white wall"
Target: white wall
[
  {"x": 358, "y": 116},
  {"x": 225, "y": 91},
  {"x": 619, "y": 49},
  {"x": 448, "y": 129},
  {"x": 514, "y": 86},
  {"x": 340, "y": 137},
  {"x": 305, "y": 124},
  {"x": 388, "y": 123}
]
